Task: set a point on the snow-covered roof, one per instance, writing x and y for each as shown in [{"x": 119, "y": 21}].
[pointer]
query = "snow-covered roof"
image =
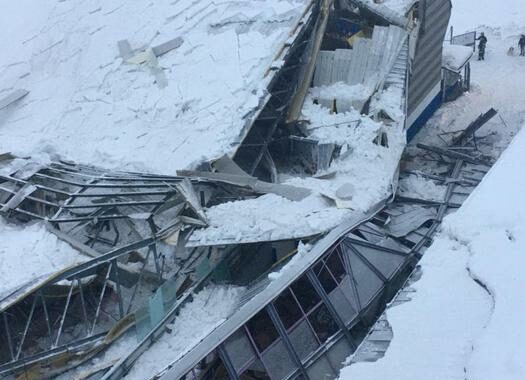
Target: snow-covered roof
[
  {"x": 30, "y": 253},
  {"x": 455, "y": 57},
  {"x": 92, "y": 105}
]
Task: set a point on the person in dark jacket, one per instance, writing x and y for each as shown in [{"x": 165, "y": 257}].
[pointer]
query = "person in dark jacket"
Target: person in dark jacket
[
  {"x": 481, "y": 46},
  {"x": 521, "y": 44}
]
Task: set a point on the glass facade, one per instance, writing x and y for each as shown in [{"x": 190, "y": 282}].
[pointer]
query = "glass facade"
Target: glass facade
[{"x": 308, "y": 341}]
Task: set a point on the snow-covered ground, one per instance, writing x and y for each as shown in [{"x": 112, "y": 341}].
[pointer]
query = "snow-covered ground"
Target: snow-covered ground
[
  {"x": 465, "y": 317},
  {"x": 496, "y": 82},
  {"x": 89, "y": 105}
]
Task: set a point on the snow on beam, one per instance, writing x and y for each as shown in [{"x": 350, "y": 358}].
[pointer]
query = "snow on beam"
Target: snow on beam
[{"x": 292, "y": 193}]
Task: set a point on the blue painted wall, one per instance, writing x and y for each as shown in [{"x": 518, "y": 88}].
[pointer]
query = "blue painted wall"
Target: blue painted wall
[{"x": 424, "y": 117}]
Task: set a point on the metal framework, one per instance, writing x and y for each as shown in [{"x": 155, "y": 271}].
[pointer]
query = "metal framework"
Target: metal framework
[
  {"x": 255, "y": 145},
  {"x": 131, "y": 228},
  {"x": 371, "y": 250}
]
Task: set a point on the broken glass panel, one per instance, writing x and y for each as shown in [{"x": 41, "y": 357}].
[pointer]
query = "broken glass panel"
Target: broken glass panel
[
  {"x": 335, "y": 265},
  {"x": 323, "y": 323},
  {"x": 288, "y": 309},
  {"x": 262, "y": 330},
  {"x": 325, "y": 278},
  {"x": 305, "y": 293}
]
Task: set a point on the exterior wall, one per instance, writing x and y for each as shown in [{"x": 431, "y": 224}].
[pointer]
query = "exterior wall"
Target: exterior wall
[{"x": 426, "y": 67}]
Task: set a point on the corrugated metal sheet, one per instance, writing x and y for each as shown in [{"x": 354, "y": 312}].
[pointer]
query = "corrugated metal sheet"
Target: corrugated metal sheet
[
  {"x": 358, "y": 66},
  {"x": 369, "y": 62},
  {"x": 323, "y": 68},
  {"x": 426, "y": 67}
]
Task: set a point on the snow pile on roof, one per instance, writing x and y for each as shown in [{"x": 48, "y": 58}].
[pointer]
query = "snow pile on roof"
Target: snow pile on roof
[
  {"x": 267, "y": 218},
  {"x": 89, "y": 104},
  {"x": 365, "y": 168},
  {"x": 456, "y": 56},
  {"x": 209, "y": 308},
  {"x": 28, "y": 252},
  {"x": 416, "y": 186},
  {"x": 469, "y": 293}
]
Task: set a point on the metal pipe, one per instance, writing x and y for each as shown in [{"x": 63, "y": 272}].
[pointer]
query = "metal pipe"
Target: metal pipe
[
  {"x": 46, "y": 316},
  {"x": 83, "y": 304},
  {"x": 8, "y": 333},
  {"x": 117, "y": 204},
  {"x": 101, "y": 185},
  {"x": 63, "y": 318},
  {"x": 121, "y": 194},
  {"x": 99, "y": 305},
  {"x": 26, "y": 329}
]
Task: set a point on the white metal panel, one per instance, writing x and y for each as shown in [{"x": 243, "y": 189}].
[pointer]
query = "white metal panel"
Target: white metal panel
[
  {"x": 341, "y": 68},
  {"x": 359, "y": 63},
  {"x": 323, "y": 68}
]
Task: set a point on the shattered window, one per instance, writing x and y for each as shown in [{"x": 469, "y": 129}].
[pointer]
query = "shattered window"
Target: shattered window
[
  {"x": 288, "y": 309},
  {"x": 325, "y": 277},
  {"x": 305, "y": 293},
  {"x": 262, "y": 330},
  {"x": 335, "y": 264}
]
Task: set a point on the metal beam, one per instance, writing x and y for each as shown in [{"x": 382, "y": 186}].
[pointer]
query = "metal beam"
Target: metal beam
[
  {"x": 333, "y": 312},
  {"x": 274, "y": 316},
  {"x": 232, "y": 373}
]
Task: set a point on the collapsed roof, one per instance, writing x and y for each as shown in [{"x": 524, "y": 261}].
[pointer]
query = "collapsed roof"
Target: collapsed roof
[
  {"x": 149, "y": 241},
  {"x": 115, "y": 83}
]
